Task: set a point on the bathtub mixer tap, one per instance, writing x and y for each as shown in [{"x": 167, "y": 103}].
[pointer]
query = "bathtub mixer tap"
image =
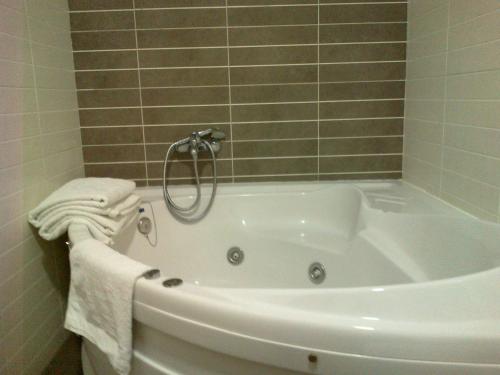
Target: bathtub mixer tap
[{"x": 204, "y": 140}]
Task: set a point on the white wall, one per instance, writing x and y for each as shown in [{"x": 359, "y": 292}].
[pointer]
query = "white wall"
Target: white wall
[
  {"x": 40, "y": 148},
  {"x": 452, "y": 119}
]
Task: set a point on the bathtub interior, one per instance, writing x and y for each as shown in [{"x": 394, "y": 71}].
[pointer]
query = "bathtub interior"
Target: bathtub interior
[{"x": 364, "y": 235}]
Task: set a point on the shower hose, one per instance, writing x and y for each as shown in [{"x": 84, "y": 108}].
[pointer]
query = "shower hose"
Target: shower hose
[{"x": 189, "y": 214}]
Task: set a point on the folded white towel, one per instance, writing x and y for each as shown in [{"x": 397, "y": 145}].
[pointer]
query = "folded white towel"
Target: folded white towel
[
  {"x": 123, "y": 208},
  {"x": 100, "y": 299},
  {"x": 101, "y": 227},
  {"x": 89, "y": 192}
]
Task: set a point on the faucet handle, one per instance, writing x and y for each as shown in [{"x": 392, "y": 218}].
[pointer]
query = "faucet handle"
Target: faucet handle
[{"x": 218, "y": 135}]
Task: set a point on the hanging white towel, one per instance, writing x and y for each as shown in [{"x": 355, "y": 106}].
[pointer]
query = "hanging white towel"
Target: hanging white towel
[
  {"x": 101, "y": 297},
  {"x": 89, "y": 192}
]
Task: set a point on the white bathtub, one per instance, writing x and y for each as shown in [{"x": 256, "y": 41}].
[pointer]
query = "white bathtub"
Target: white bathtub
[{"x": 412, "y": 285}]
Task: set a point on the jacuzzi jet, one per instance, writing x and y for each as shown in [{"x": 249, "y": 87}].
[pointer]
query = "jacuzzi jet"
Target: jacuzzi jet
[
  {"x": 172, "y": 282},
  {"x": 235, "y": 255},
  {"x": 317, "y": 273}
]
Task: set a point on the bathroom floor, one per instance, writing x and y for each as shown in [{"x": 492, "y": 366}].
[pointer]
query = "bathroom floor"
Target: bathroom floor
[{"x": 67, "y": 360}]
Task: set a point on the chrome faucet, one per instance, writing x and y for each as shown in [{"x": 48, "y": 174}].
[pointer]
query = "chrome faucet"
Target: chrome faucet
[
  {"x": 203, "y": 140},
  {"x": 195, "y": 142}
]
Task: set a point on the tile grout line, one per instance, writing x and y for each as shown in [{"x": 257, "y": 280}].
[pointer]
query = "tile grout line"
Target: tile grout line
[
  {"x": 229, "y": 90},
  {"x": 140, "y": 93},
  {"x": 318, "y": 86}
]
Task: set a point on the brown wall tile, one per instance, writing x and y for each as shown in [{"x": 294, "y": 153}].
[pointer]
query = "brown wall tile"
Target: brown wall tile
[
  {"x": 108, "y": 79},
  {"x": 178, "y": 3},
  {"x": 292, "y": 96},
  {"x": 361, "y": 109},
  {"x": 360, "y": 128},
  {"x": 363, "y": 13},
  {"x": 185, "y": 96},
  {"x": 114, "y": 20},
  {"x": 248, "y": 167},
  {"x": 181, "y": 38},
  {"x": 128, "y": 171},
  {"x": 103, "y": 40},
  {"x": 359, "y": 146},
  {"x": 255, "y": 36},
  {"x": 110, "y": 117},
  {"x": 183, "y": 57},
  {"x": 278, "y": 15},
  {"x": 362, "y": 72},
  {"x": 274, "y": 55},
  {"x": 114, "y": 135},
  {"x": 275, "y": 130},
  {"x": 184, "y": 77},
  {"x": 274, "y": 93},
  {"x": 113, "y": 154},
  {"x": 187, "y": 115},
  {"x": 357, "y": 33},
  {"x": 362, "y": 52},
  {"x": 256, "y": 149},
  {"x": 274, "y": 74},
  {"x": 99, "y": 4},
  {"x": 109, "y": 98},
  {"x": 377, "y": 163},
  {"x": 362, "y": 90},
  {"x": 105, "y": 60},
  {"x": 171, "y": 18},
  {"x": 274, "y": 112}
]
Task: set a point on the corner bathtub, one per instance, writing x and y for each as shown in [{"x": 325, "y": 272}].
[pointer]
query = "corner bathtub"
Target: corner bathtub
[{"x": 412, "y": 285}]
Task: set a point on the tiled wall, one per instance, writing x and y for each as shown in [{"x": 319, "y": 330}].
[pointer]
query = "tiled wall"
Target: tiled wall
[
  {"x": 40, "y": 149},
  {"x": 303, "y": 90},
  {"x": 452, "y": 122}
]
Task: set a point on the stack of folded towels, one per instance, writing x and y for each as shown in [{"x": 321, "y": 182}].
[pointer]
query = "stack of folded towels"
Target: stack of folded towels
[{"x": 103, "y": 205}]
